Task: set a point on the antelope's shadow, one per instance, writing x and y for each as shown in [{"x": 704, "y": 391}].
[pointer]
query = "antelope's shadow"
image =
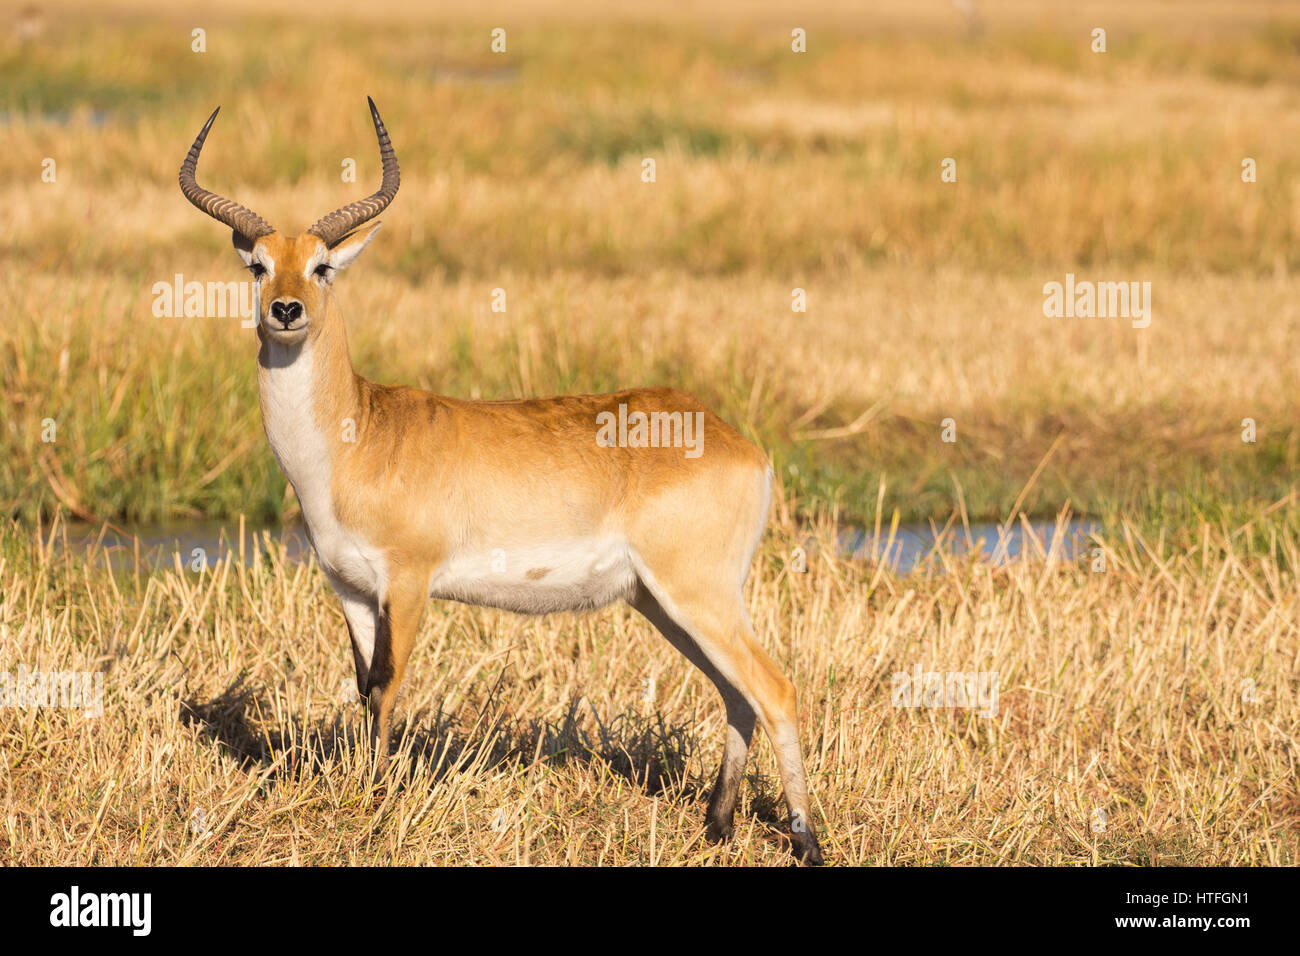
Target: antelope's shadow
[{"x": 655, "y": 756}]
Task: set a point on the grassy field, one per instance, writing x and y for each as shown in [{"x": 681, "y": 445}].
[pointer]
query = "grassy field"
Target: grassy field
[
  {"x": 1161, "y": 691},
  {"x": 1146, "y": 715}
]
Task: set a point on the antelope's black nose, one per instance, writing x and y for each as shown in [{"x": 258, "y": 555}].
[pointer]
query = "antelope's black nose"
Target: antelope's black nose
[{"x": 286, "y": 311}]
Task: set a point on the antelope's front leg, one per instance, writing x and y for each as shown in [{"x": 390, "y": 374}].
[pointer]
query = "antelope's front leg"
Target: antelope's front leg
[
  {"x": 396, "y": 621},
  {"x": 362, "y": 616}
]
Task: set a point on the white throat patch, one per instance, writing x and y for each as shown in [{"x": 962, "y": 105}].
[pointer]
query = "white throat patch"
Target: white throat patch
[{"x": 288, "y": 413}]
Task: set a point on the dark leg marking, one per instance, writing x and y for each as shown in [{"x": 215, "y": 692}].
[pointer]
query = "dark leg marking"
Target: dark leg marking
[
  {"x": 360, "y": 662},
  {"x": 722, "y": 801},
  {"x": 740, "y": 716},
  {"x": 381, "y": 660}
]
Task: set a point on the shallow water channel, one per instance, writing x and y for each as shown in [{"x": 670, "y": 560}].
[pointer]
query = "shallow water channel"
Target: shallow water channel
[{"x": 198, "y": 543}]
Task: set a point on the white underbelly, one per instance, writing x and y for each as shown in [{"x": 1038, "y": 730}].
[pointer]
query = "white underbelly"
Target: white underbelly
[{"x": 571, "y": 575}]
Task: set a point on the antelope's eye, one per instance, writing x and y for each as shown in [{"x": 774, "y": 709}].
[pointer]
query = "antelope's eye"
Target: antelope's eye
[
  {"x": 257, "y": 269},
  {"x": 323, "y": 270}
]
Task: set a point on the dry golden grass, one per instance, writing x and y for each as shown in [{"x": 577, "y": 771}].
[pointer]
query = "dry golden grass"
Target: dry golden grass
[{"x": 224, "y": 737}]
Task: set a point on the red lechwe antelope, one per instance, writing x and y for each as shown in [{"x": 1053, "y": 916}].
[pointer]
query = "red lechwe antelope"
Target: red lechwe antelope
[{"x": 518, "y": 505}]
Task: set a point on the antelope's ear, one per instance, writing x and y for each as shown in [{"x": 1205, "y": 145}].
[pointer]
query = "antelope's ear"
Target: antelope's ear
[
  {"x": 242, "y": 246},
  {"x": 344, "y": 252}
]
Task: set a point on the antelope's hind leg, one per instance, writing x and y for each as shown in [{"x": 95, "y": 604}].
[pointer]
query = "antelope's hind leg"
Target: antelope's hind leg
[
  {"x": 716, "y": 628},
  {"x": 740, "y": 717}
]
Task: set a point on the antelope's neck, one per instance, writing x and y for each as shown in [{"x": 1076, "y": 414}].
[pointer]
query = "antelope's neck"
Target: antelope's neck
[{"x": 309, "y": 398}]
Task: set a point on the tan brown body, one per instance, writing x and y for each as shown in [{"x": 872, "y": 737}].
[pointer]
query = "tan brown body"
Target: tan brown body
[{"x": 529, "y": 505}]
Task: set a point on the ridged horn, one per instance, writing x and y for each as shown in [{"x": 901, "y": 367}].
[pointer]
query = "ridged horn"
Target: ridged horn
[
  {"x": 239, "y": 218},
  {"x": 330, "y": 229}
]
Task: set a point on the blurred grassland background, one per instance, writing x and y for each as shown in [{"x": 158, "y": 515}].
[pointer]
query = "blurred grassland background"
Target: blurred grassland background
[{"x": 775, "y": 170}]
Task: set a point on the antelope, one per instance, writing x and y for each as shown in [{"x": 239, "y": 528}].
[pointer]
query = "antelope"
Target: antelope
[{"x": 518, "y": 505}]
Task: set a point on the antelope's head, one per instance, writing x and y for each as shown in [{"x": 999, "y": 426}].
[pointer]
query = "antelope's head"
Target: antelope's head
[{"x": 293, "y": 274}]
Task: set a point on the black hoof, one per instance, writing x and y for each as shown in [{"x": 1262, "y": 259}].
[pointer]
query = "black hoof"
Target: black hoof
[
  {"x": 809, "y": 854},
  {"x": 804, "y": 841},
  {"x": 717, "y": 831}
]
